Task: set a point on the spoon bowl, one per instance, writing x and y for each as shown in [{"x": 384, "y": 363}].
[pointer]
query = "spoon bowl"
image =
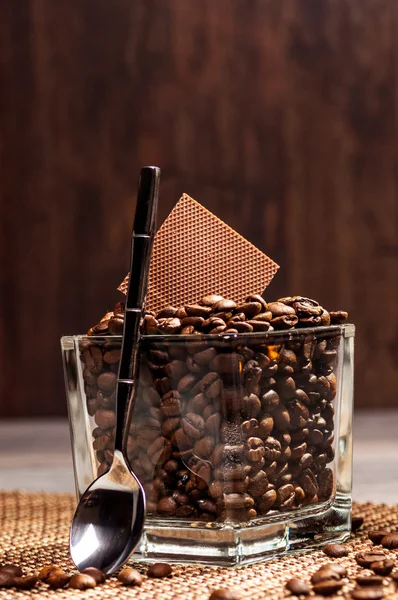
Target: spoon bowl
[{"x": 109, "y": 519}]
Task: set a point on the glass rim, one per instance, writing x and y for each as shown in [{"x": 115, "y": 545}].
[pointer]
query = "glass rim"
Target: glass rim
[{"x": 347, "y": 329}]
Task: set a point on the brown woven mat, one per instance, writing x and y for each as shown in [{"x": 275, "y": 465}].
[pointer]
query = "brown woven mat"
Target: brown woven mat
[{"x": 34, "y": 532}]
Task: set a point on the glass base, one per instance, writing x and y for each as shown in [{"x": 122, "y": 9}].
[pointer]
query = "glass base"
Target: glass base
[{"x": 235, "y": 546}]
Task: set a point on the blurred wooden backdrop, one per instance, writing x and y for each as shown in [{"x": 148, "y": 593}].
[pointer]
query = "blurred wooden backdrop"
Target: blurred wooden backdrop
[{"x": 281, "y": 116}]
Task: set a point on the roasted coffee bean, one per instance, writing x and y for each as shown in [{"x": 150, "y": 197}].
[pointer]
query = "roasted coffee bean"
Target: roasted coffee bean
[
  {"x": 367, "y": 593},
  {"x": 12, "y": 570},
  {"x": 328, "y": 587},
  {"x": 369, "y": 580},
  {"x": 211, "y": 385},
  {"x": 249, "y": 309},
  {"x": 25, "y": 583},
  {"x": 167, "y": 312},
  {"x": 48, "y": 571},
  {"x": 193, "y": 425},
  {"x": 326, "y": 573},
  {"x": 130, "y": 577},
  {"x": 394, "y": 577},
  {"x": 376, "y": 536},
  {"x": 335, "y": 550},
  {"x": 267, "y": 501},
  {"x": 390, "y": 541},
  {"x": 297, "y": 587},
  {"x": 356, "y": 523},
  {"x": 107, "y": 382},
  {"x": 159, "y": 570},
  {"x": 382, "y": 567},
  {"x": 58, "y": 580},
  {"x": 225, "y": 594},
  {"x": 365, "y": 559},
  {"x": 338, "y": 316},
  {"x": 223, "y": 306},
  {"x": 169, "y": 325},
  {"x": 82, "y": 582},
  {"x": 6, "y": 579},
  {"x": 210, "y": 299},
  {"x": 196, "y": 310}
]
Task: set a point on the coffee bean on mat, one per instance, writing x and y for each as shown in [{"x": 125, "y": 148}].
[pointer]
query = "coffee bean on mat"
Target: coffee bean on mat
[
  {"x": 130, "y": 577},
  {"x": 49, "y": 570},
  {"x": 58, "y": 580},
  {"x": 297, "y": 586},
  {"x": 356, "y": 523},
  {"x": 325, "y": 574},
  {"x": 6, "y": 579},
  {"x": 12, "y": 570},
  {"x": 390, "y": 541},
  {"x": 327, "y": 588},
  {"x": 223, "y": 594},
  {"x": 367, "y": 593},
  {"x": 377, "y": 536},
  {"x": 335, "y": 550},
  {"x": 370, "y": 580},
  {"x": 365, "y": 559},
  {"x": 95, "y": 574},
  {"x": 82, "y": 582},
  {"x": 158, "y": 570},
  {"x": 25, "y": 583},
  {"x": 382, "y": 567}
]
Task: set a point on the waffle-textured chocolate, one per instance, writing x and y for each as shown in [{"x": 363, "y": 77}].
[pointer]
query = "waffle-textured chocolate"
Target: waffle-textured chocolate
[{"x": 195, "y": 252}]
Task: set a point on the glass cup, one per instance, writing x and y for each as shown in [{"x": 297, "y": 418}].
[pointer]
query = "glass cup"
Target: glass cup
[{"x": 243, "y": 442}]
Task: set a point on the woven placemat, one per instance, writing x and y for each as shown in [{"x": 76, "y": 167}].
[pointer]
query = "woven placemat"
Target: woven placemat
[{"x": 34, "y": 532}]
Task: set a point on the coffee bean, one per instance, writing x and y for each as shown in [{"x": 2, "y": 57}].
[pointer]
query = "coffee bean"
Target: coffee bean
[
  {"x": 390, "y": 541},
  {"x": 47, "y": 571},
  {"x": 169, "y": 325},
  {"x": 95, "y": 574},
  {"x": 58, "y": 580},
  {"x": 370, "y": 580},
  {"x": 297, "y": 586},
  {"x": 13, "y": 570},
  {"x": 6, "y": 579},
  {"x": 382, "y": 567},
  {"x": 394, "y": 577},
  {"x": 210, "y": 299},
  {"x": 224, "y": 306},
  {"x": 224, "y": 594},
  {"x": 335, "y": 550},
  {"x": 328, "y": 587},
  {"x": 356, "y": 523},
  {"x": 326, "y": 573},
  {"x": 107, "y": 382},
  {"x": 82, "y": 582},
  {"x": 376, "y": 536},
  {"x": 367, "y": 593},
  {"x": 130, "y": 577},
  {"x": 338, "y": 316},
  {"x": 25, "y": 583},
  {"x": 249, "y": 309},
  {"x": 365, "y": 559},
  {"x": 158, "y": 570}
]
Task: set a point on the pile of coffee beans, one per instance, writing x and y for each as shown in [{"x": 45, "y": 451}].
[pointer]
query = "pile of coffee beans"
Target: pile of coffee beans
[
  {"x": 11, "y": 576},
  {"x": 227, "y": 427},
  {"x": 329, "y": 579}
]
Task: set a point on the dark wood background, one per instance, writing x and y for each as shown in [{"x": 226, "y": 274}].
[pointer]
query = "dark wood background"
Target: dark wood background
[{"x": 281, "y": 116}]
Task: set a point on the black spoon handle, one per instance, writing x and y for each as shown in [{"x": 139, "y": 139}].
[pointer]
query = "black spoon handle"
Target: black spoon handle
[{"x": 141, "y": 249}]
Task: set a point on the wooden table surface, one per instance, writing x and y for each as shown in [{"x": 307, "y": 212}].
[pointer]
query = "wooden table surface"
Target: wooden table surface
[{"x": 35, "y": 456}]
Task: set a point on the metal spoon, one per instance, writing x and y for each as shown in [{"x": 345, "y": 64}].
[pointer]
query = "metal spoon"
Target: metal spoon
[{"x": 109, "y": 519}]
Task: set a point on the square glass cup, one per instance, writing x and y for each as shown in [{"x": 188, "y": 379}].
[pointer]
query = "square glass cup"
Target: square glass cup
[{"x": 242, "y": 442}]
